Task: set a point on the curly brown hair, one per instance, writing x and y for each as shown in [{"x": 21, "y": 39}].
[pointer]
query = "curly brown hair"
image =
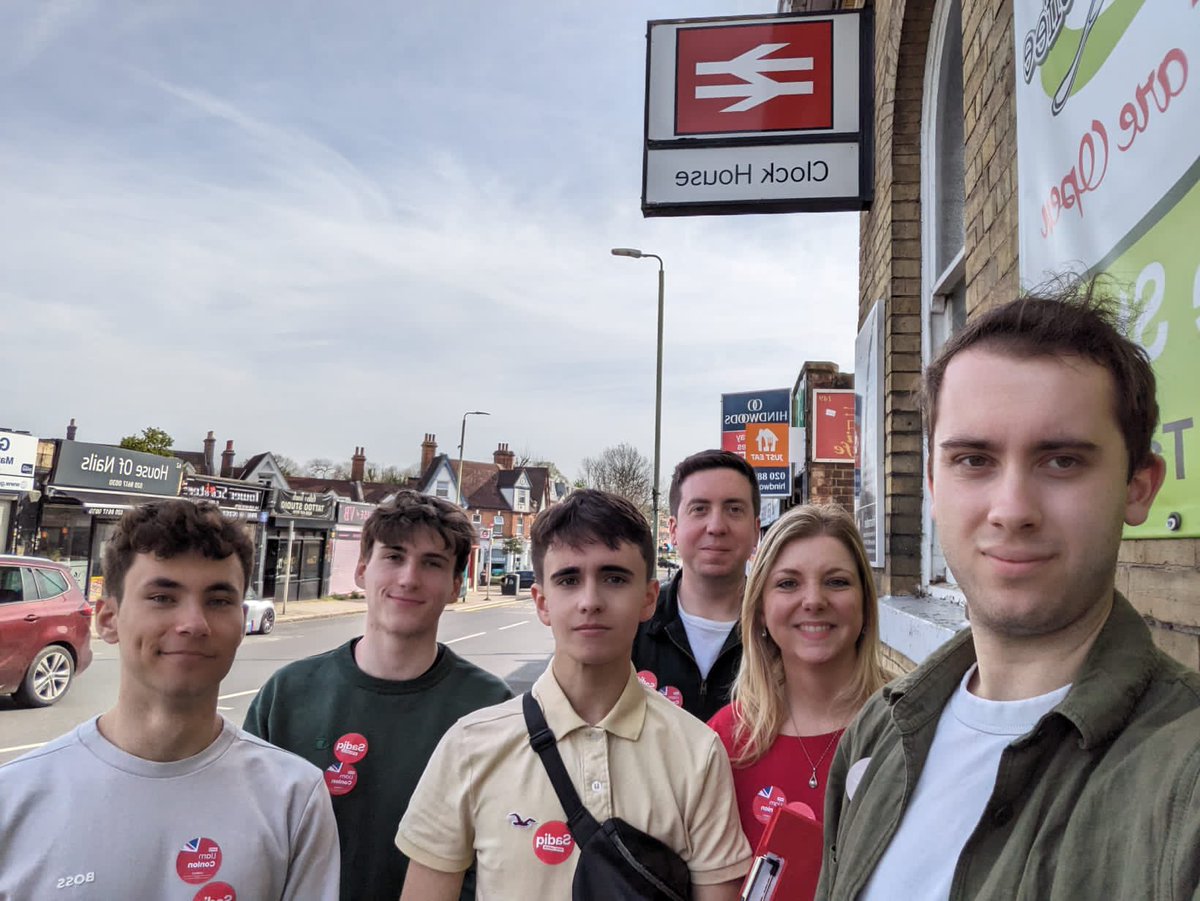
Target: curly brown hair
[
  {"x": 169, "y": 529},
  {"x": 396, "y": 518}
]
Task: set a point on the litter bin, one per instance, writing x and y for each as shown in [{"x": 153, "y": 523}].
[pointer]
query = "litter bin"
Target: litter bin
[{"x": 508, "y": 584}]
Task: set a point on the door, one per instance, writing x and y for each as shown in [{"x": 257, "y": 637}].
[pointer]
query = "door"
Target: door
[{"x": 21, "y": 626}]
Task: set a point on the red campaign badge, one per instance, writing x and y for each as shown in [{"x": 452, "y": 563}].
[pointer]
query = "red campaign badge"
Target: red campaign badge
[
  {"x": 341, "y": 778},
  {"x": 553, "y": 842},
  {"x": 198, "y": 861},
  {"x": 766, "y": 802},
  {"x": 672, "y": 694},
  {"x": 350, "y": 748},
  {"x": 216, "y": 891},
  {"x": 648, "y": 679}
]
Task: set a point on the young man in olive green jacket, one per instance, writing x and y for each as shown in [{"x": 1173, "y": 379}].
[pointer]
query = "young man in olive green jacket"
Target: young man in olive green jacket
[{"x": 1050, "y": 751}]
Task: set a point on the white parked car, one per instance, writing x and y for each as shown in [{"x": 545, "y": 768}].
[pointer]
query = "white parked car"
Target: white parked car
[{"x": 260, "y": 613}]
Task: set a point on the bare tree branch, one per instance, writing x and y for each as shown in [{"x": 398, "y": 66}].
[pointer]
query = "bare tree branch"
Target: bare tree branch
[{"x": 622, "y": 470}]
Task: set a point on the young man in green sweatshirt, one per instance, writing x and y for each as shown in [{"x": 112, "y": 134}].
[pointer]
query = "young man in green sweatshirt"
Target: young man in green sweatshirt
[{"x": 371, "y": 712}]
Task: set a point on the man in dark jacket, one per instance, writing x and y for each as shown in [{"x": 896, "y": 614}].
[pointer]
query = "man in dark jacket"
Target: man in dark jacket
[{"x": 690, "y": 649}]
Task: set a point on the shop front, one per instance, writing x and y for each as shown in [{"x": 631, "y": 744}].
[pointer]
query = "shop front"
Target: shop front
[
  {"x": 347, "y": 540},
  {"x": 90, "y": 488},
  {"x": 299, "y": 534},
  {"x": 18, "y": 456},
  {"x": 239, "y": 502}
]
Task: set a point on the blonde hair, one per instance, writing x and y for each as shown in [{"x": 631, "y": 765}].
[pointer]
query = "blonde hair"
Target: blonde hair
[{"x": 760, "y": 695}]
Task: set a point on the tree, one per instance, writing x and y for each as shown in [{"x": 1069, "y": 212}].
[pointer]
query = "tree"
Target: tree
[
  {"x": 397, "y": 475},
  {"x": 319, "y": 468},
  {"x": 151, "y": 441},
  {"x": 621, "y": 470},
  {"x": 527, "y": 457},
  {"x": 287, "y": 465}
]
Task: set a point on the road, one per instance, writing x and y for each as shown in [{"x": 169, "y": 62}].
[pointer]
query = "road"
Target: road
[{"x": 505, "y": 638}]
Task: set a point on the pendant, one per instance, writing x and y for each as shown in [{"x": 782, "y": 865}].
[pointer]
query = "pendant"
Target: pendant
[{"x": 812, "y": 782}]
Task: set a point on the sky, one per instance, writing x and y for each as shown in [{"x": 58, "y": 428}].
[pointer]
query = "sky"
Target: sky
[{"x": 310, "y": 227}]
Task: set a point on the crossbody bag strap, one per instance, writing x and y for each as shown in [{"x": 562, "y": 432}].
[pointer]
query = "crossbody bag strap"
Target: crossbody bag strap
[{"x": 581, "y": 823}]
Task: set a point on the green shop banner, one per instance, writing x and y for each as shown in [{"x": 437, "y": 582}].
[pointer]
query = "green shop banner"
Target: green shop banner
[{"x": 1108, "y": 156}]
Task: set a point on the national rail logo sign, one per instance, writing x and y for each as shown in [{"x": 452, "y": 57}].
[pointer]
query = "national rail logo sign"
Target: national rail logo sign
[
  {"x": 758, "y": 114},
  {"x": 754, "y": 78}
]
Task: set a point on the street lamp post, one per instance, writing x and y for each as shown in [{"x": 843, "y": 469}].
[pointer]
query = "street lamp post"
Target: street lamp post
[
  {"x": 462, "y": 440},
  {"x": 638, "y": 255},
  {"x": 462, "y": 443}
]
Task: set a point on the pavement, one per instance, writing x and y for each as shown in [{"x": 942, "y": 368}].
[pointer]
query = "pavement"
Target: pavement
[{"x": 321, "y": 608}]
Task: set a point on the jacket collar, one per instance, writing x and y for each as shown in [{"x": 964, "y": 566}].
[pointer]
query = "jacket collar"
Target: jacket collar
[
  {"x": 666, "y": 611},
  {"x": 666, "y": 617},
  {"x": 1114, "y": 675},
  {"x": 625, "y": 720}
]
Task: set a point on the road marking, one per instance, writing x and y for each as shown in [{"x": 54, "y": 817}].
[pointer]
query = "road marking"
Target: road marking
[
  {"x": 22, "y": 747},
  {"x": 238, "y": 694},
  {"x": 488, "y": 605},
  {"x": 464, "y": 637},
  {"x": 512, "y": 625},
  {"x": 219, "y": 707}
]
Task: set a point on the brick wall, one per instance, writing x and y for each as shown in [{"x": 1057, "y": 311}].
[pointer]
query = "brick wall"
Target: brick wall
[
  {"x": 990, "y": 130},
  {"x": 1161, "y": 578},
  {"x": 890, "y": 269},
  {"x": 828, "y": 483}
]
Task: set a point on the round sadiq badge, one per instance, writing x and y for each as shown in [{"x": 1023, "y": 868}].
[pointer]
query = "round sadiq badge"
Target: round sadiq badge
[
  {"x": 198, "y": 861},
  {"x": 350, "y": 748},
  {"x": 648, "y": 679},
  {"x": 216, "y": 891},
  {"x": 672, "y": 694},
  {"x": 341, "y": 778},
  {"x": 553, "y": 843},
  {"x": 766, "y": 802}
]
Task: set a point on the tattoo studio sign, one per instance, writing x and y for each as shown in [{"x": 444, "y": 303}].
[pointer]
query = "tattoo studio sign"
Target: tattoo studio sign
[
  {"x": 303, "y": 505},
  {"x": 1108, "y": 97}
]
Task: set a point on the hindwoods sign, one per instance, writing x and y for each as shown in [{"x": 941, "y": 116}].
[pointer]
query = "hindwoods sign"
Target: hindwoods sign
[{"x": 109, "y": 468}]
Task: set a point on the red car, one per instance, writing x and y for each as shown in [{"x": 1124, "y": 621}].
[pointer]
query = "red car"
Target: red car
[{"x": 45, "y": 630}]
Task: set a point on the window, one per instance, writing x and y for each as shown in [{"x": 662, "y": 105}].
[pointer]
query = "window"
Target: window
[
  {"x": 520, "y": 522},
  {"x": 443, "y": 488},
  {"x": 476, "y": 518},
  {"x": 498, "y": 526},
  {"x": 522, "y": 499},
  {"x": 12, "y": 588},
  {"x": 943, "y": 226},
  {"x": 49, "y": 583}
]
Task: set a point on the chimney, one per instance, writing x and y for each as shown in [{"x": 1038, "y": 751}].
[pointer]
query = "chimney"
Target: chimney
[
  {"x": 503, "y": 457},
  {"x": 227, "y": 460},
  {"x": 428, "y": 451},
  {"x": 358, "y": 463},
  {"x": 71, "y": 430},
  {"x": 210, "y": 449}
]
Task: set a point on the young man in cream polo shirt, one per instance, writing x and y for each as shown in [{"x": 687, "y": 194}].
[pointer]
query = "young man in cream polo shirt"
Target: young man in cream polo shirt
[{"x": 485, "y": 795}]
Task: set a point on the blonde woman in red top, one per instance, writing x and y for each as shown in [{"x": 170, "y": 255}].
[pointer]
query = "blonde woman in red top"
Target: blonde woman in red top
[{"x": 810, "y": 660}]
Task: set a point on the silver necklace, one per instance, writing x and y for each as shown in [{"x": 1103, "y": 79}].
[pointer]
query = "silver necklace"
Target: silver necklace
[{"x": 812, "y": 780}]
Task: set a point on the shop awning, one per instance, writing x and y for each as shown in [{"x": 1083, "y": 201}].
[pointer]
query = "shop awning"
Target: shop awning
[{"x": 104, "y": 503}]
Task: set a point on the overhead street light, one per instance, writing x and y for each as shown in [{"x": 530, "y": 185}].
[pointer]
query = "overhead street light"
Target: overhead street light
[
  {"x": 462, "y": 440},
  {"x": 636, "y": 254}
]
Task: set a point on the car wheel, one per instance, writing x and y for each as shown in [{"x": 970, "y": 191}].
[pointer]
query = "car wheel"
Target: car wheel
[
  {"x": 48, "y": 677},
  {"x": 268, "y": 622}
]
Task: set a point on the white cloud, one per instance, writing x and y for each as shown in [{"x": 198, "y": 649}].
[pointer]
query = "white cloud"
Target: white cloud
[{"x": 292, "y": 262}]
